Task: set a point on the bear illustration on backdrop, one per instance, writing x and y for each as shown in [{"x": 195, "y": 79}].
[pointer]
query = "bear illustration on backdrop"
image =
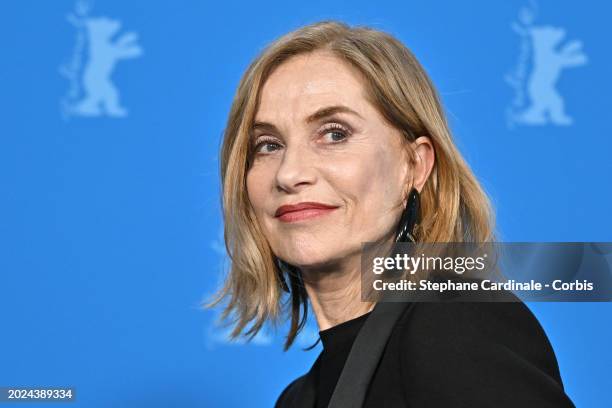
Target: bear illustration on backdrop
[
  {"x": 545, "y": 101},
  {"x": 100, "y": 94}
]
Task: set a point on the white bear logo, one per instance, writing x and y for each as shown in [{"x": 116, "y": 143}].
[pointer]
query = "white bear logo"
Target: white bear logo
[
  {"x": 98, "y": 95},
  {"x": 546, "y": 105}
]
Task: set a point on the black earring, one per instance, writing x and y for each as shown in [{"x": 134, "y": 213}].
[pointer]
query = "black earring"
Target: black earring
[{"x": 410, "y": 218}]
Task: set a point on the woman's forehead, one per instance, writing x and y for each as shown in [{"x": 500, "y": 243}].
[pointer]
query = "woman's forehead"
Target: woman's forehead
[{"x": 309, "y": 82}]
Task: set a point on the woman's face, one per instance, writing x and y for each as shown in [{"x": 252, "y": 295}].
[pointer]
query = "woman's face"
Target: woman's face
[{"x": 319, "y": 140}]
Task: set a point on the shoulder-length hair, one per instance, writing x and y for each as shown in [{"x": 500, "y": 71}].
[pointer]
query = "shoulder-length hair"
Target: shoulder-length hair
[{"x": 453, "y": 204}]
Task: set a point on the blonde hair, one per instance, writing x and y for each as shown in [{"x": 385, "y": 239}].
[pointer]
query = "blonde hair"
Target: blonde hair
[{"x": 453, "y": 204}]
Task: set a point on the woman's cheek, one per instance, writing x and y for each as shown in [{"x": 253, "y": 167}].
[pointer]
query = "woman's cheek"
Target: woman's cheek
[{"x": 255, "y": 194}]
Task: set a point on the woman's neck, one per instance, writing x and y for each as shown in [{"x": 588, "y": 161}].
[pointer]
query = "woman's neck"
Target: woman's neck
[{"x": 335, "y": 294}]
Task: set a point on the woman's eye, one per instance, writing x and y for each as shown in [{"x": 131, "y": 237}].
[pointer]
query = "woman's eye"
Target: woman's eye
[
  {"x": 335, "y": 133},
  {"x": 335, "y": 136},
  {"x": 266, "y": 146}
]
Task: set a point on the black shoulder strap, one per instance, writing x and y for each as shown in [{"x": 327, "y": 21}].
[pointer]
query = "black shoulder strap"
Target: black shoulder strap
[
  {"x": 360, "y": 365},
  {"x": 365, "y": 354}
]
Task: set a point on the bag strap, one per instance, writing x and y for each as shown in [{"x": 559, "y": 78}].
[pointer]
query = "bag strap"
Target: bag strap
[{"x": 365, "y": 354}]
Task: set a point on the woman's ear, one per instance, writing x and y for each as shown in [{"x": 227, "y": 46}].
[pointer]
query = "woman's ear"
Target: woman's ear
[{"x": 424, "y": 159}]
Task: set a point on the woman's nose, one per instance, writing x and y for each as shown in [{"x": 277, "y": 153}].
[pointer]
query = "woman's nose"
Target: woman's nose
[{"x": 297, "y": 169}]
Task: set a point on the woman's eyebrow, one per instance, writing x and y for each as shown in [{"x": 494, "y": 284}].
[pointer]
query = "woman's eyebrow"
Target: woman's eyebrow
[
  {"x": 329, "y": 111},
  {"x": 264, "y": 126},
  {"x": 316, "y": 116}
]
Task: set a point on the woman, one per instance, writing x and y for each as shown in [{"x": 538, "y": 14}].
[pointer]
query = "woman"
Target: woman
[{"x": 334, "y": 134}]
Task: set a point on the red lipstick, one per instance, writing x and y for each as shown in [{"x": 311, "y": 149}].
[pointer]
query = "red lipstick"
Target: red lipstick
[{"x": 301, "y": 211}]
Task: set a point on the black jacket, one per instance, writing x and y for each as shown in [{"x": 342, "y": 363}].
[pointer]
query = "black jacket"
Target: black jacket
[{"x": 465, "y": 354}]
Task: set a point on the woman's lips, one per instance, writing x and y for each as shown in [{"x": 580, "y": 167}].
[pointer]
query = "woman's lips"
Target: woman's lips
[
  {"x": 305, "y": 214},
  {"x": 302, "y": 211}
]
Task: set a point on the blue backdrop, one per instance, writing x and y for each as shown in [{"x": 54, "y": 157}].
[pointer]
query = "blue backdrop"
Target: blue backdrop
[{"x": 111, "y": 121}]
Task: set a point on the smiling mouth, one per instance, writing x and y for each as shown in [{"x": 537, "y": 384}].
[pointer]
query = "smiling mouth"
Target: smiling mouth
[
  {"x": 304, "y": 210},
  {"x": 304, "y": 214}
]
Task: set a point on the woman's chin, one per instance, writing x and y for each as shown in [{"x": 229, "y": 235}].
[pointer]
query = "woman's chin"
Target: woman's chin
[{"x": 314, "y": 261}]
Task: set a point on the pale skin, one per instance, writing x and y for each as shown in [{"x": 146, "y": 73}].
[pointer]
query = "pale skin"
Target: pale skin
[{"x": 354, "y": 161}]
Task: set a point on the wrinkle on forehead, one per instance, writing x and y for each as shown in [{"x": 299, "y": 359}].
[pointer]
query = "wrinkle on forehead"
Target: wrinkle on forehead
[{"x": 307, "y": 82}]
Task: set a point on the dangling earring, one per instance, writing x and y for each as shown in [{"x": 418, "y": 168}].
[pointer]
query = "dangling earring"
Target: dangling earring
[{"x": 410, "y": 218}]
